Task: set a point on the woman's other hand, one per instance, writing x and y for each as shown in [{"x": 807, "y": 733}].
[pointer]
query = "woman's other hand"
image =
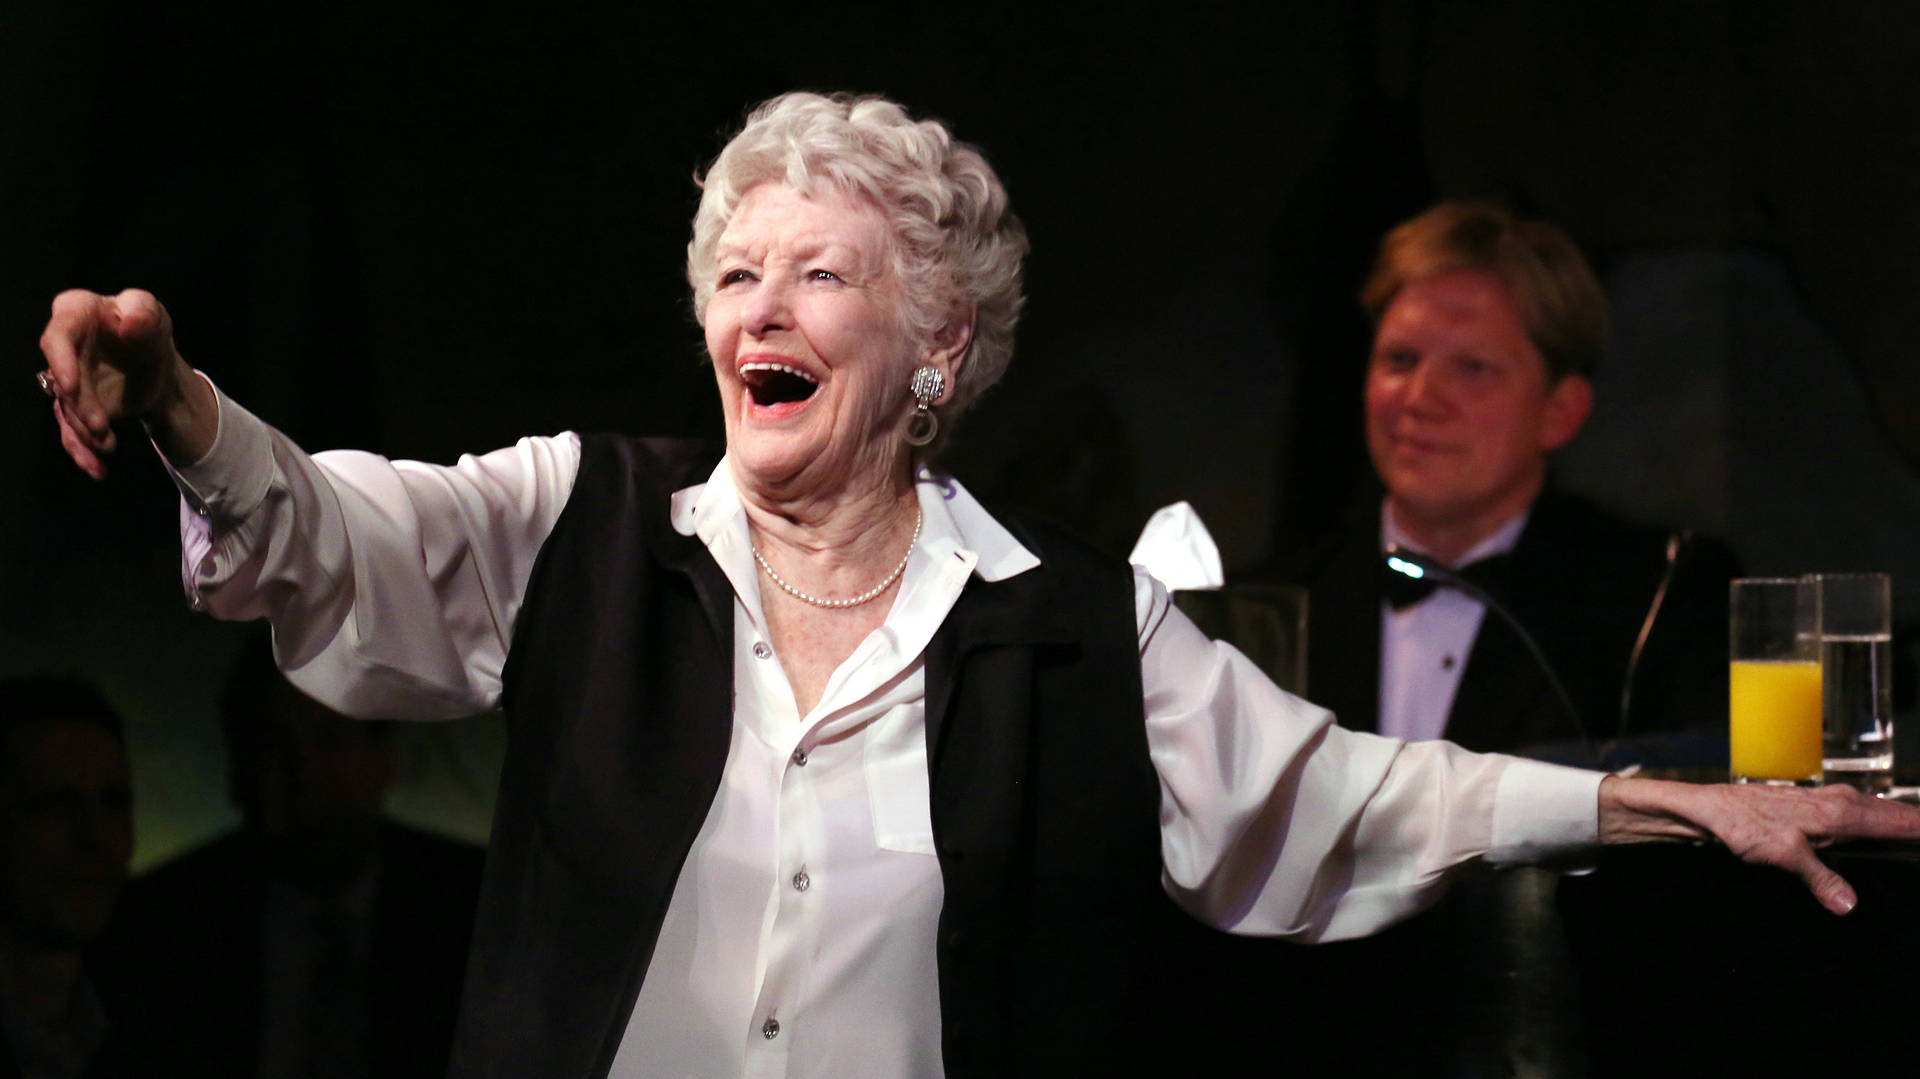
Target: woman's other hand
[
  {"x": 111, "y": 358},
  {"x": 1776, "y": 826}
]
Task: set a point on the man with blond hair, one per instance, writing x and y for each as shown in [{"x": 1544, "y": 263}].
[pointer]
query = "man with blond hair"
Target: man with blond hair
[{"x": 1488, "y": 328}]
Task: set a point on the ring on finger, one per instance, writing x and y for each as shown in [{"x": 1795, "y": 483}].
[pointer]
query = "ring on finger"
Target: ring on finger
[{"x": 45, "y": 379}]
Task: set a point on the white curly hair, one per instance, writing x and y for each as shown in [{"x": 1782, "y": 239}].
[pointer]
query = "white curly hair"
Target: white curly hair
[{"x": 955, "y": 244}]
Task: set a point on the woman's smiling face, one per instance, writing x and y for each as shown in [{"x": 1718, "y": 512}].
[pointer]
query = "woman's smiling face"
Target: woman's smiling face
[{"x": 808, "y": 345}]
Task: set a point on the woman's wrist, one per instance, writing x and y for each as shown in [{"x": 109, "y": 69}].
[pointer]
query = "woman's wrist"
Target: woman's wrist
[
  {"x": 1645, "y": 811},
  {"x": 185, "y": 417}
]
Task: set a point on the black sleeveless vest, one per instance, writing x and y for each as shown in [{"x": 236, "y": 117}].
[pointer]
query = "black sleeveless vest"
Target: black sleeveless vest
[{"x": 619, "y": 703}]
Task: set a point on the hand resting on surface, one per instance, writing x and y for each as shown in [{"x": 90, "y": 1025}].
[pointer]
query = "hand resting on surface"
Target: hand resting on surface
[{"x": 1776, "y": 826}]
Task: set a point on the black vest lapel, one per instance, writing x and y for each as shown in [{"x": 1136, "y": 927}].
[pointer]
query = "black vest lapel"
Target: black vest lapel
[
  {"x": 688, "y": 557},
  {"x": 1018, "y": 611},
  {"x": 1045, "y": 819}
]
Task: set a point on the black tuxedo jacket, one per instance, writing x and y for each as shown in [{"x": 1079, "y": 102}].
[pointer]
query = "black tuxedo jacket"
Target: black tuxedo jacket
[{"x": 1581, "y": 580}]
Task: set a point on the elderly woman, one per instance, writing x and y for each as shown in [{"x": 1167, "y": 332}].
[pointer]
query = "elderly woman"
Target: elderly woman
[{"x": 818, "y": 767}]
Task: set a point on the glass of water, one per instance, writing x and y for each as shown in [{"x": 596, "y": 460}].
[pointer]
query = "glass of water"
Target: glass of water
[{"x": 1856, "y": 640}]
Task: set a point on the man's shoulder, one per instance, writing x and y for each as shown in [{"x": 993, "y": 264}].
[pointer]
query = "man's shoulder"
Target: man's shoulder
[
  {"x": 1573, "y": 530},
  {"x": 1564, "y": 515},
  {"x": 188, "y": 905},
  {"x": 227, "y": 857}
]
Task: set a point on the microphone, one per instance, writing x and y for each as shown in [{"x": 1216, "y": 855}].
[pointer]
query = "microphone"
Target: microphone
[
  {"x": 1675, "y": 541},
  {"x": 1417, "y": 566}
]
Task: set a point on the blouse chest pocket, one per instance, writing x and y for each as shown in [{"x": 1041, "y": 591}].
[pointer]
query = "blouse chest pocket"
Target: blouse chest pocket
[{"x": 895, "y": 762}]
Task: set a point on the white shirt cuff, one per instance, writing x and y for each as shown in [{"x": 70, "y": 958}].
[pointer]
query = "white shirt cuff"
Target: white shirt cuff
[
  {"x": 1543, "y": 809},
  {"x": 232, "y": 479}
]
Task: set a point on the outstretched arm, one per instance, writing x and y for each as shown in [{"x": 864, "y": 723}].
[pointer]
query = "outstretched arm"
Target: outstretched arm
[
  {"x": 1276, "y": 822},
  {"x": 392, "y": 585},
  {"x": 111, "y": 358},
  {"x": 1776, "y": 826}
]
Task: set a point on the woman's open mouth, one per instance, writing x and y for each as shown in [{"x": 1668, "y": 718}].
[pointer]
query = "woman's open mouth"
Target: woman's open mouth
[{"x": 777, "y": 383}]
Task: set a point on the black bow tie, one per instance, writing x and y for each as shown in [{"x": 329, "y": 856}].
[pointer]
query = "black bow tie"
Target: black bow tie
[{"x": 1404, "y": 591}]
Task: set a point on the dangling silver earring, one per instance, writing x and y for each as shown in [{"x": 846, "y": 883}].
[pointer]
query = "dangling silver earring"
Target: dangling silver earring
[{"x": 927, "y": 386}]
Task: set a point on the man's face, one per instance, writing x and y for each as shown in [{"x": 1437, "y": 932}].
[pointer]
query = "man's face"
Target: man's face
[
  {"x": 1460, "y": 413},
  {"x": 66, "y": 831}
]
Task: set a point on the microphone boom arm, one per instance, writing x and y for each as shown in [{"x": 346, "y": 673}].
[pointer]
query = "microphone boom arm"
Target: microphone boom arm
[{"x": 1416, "y": 565}]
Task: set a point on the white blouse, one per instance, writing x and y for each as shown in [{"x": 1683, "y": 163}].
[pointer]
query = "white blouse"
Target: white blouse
[{"x": 800, "y": 936}]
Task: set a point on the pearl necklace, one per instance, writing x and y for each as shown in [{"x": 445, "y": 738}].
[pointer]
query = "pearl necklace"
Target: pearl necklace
[{"x": 864, "y": 597}]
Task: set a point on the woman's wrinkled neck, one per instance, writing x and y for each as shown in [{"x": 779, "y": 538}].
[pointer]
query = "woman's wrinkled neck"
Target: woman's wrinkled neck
[{"x": 839, "y": 516}]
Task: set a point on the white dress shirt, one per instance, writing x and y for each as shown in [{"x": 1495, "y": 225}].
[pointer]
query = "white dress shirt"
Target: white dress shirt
[
  {"x": 800, "y": 937},
  {"x": 1424, "y": 646}
]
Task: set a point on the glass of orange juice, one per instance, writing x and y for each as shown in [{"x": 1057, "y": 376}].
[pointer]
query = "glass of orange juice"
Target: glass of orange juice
[{"x": 1775, "y": 684}]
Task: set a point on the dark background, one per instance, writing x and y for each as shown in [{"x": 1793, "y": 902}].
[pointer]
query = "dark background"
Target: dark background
[{"x": 426, "y": 231}]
